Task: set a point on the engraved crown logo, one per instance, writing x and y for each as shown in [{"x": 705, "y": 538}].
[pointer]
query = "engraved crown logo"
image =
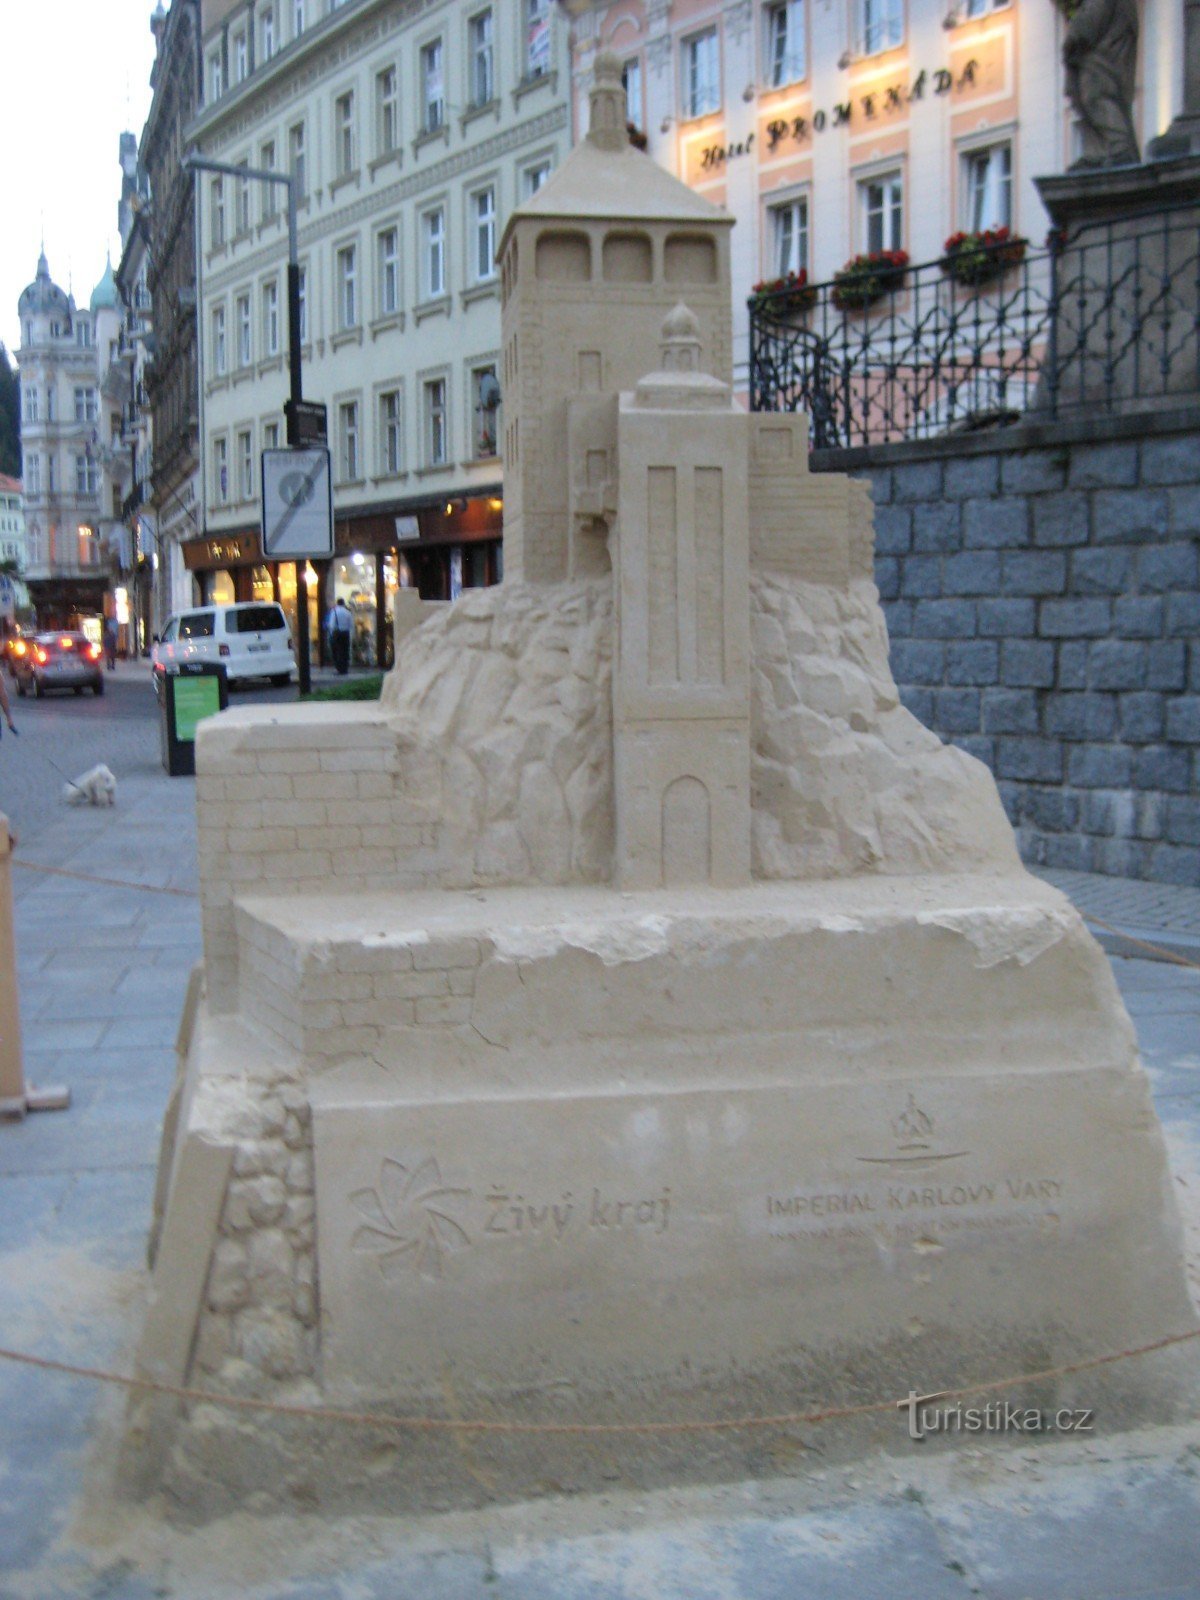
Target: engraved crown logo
[{"x": 912, "y": 1127}]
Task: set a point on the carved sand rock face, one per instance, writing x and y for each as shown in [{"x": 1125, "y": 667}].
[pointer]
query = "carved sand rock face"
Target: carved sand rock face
[{"x": 637, "y": 1015}]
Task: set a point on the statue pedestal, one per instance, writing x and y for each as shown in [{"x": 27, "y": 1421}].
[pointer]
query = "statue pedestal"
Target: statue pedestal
[
  {"x": 1125, "y": 289},
  {"x": 584, "y": 1156}
]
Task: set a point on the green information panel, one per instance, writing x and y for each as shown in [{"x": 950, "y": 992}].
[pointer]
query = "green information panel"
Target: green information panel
[{"x": 195, "y": 698}]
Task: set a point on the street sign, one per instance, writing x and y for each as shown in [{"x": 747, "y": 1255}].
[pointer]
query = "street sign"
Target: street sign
[
  {"x": 307, "y": 422},
  {"x": 297, "y": 501}
]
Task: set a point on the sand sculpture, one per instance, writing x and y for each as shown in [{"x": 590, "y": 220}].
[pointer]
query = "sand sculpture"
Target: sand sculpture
[{"x": 638, "y": 1014}]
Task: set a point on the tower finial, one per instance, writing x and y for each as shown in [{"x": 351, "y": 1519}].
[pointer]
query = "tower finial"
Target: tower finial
[{"x": 607, "y": 125}]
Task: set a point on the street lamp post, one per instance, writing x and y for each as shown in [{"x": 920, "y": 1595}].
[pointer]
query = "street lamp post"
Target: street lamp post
[{"x": 197, "y": 163}]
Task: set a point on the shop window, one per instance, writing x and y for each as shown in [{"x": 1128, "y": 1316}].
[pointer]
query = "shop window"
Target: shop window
[
  {"x": 881, "y": 213},
  {"x": 987, "y": 188}
]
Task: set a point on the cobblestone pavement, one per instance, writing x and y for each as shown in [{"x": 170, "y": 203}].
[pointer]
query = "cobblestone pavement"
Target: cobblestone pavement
[{"x": 102, "y": 976}]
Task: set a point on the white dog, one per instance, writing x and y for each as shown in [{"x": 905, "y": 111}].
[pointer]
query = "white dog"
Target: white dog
[{"x": 96, "y": 787}]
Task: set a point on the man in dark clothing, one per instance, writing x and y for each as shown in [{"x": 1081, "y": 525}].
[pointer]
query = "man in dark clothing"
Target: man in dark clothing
[{"x": 339, "y": 624}]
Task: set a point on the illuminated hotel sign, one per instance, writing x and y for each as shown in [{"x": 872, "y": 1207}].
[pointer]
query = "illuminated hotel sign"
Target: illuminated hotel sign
[{"x": 864, "y": 109}]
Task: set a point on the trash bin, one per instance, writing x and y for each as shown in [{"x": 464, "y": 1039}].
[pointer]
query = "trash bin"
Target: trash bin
[{"x": 196, "y": 689}]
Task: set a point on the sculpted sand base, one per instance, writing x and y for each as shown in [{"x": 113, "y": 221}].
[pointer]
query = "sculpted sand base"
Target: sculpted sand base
[{"x": 637, "y": 1016}]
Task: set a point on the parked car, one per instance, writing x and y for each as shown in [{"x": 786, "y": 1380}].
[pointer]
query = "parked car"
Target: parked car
[
  {"x": 250, "y": 640},
  {"x": 59, "y": 661}
]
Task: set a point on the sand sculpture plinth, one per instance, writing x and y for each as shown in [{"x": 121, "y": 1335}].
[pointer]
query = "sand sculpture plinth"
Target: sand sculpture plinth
[{"x": 637, "y": 1015}]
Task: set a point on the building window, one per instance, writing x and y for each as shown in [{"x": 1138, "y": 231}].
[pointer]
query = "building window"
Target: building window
[
  {"x": 242, "y": 313},
  {"x": 267, "y": 33},
  {"x": 297, "y": 18},
  {"x": 485, "y": 423},
  {"x": 30, "y": 397},
  {"x": 297, "y": 161},
  {"x": 785, "y": 42},
  {"x": 216, "y": 76},
  {"x": 482, "y": 59},
  {"x": 218, "y": 341},
  {"x": 388, "y": 259},
  {"x": 83, "y": 333},
  {"x": 241, "y": 57},
  {"x": 270, "y": 436},
  {"x": 348, "y": 431},
  {"x": 987, "y": 188},
  {"x": 270, "y": 191},
  {"x": 483, "y": 223},
  {"x": 302, "y": 296},
  {"x": 433, "y": 230},
  {"x": 245, "y": 451},
  {"x": 433, "y": 101},
  {"x": 386, "y": 111},
  {"x": 789, "y": 237},
  {"x": 534, "y": 177},
  {"x": 33, "y": 474},
  {"x": 242, "y": 203},
  {"x": 980, "y": 8},
  {"x": 537, "y": 38},
  {"x": 631, "y": 77},
  {"x": 87, "y": 476},
  {"x": 220, "y": 472},
  {"x": 270, "y": 318},
  {"x": 881, "y": 25},
  {"x": 881, "y": 209},
  {"x": 347, "y": 282},
  {"x": 217, "y": 213},
  {"x": 51, "y": 475},
  {"x": 389, "y": 432},
  {"x": 701, "y": 74},
  {"x": 435, "y": 422},
  {"x": 85, "y": 404},
  {"x": 51, "y": 404},
  {"x": 343, "y": 132}
]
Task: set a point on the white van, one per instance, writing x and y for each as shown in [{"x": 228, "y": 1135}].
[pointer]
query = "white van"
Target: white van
[{"x": 250, "y": 640}]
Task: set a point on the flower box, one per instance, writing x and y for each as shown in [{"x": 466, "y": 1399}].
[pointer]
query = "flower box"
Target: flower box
[
  {"x": 976, "y": 258},
  {"x": 792, "y": 292},
  {"x": 867, "y": 278}
]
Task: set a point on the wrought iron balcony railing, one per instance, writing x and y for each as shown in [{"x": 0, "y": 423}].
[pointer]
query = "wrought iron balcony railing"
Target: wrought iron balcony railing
[{"x": 988, "y": 334}]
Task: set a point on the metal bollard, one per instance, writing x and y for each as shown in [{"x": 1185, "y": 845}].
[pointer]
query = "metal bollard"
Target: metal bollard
[{"x": 15, "y": 1097}]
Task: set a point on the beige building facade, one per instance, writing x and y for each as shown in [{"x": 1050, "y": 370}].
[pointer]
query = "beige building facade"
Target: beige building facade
[
  {"x": 412, "y": 131},
  {"x": 830, "y": 129}
]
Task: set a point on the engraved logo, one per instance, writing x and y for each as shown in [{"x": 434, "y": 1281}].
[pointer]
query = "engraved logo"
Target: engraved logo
[
  {"x": 409, "y": 1226},
  {"x": 913, "y": 1140}
]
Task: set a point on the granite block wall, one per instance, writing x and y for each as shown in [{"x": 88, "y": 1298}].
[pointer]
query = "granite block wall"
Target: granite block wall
[{"x": 1042, "y": 592}]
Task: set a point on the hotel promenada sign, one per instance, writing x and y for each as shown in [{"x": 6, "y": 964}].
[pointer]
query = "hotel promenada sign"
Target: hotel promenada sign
[{"x": 865, "y": 108}]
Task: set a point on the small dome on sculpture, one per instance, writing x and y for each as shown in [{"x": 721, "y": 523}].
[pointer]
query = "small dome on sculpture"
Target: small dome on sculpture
[{"x": 681, "y": 324}]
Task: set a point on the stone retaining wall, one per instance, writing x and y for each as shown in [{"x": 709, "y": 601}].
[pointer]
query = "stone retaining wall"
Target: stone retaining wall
[{"x": 1042, "y": 592}]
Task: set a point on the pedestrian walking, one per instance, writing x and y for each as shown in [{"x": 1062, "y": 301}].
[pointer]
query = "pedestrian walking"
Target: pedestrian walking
[
  {"x": 338, "y": 625},
  {"x": 110, "y": 643}
]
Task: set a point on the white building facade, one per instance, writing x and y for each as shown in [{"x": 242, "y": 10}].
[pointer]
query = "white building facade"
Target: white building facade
[
  {"x": 834, "y": 127},
  {"x": 60, "y": 432},
  {"x": 12, "y": 522},
  {"x": 411, "y": 131}
]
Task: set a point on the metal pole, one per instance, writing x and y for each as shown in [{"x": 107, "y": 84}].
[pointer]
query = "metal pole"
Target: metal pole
[{"x": 15, "y": 1098}]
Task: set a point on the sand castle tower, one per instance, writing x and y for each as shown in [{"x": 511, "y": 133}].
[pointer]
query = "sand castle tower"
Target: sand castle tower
[{"x": 637, "y": 1015}]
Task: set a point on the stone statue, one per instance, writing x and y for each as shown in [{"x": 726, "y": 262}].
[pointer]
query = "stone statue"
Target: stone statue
[{"x": 1100, "y": 56}]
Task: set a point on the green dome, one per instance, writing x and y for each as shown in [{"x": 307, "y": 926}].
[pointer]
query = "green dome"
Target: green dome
[{"x": 104, "y": 295}]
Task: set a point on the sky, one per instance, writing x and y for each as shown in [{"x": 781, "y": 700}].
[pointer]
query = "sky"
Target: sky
[{"x": 78, "y": 75}]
